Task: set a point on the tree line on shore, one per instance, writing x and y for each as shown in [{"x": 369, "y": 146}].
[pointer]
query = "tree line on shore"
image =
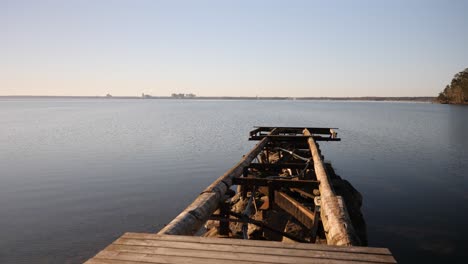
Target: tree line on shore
[{"x": 457, "y": 91}]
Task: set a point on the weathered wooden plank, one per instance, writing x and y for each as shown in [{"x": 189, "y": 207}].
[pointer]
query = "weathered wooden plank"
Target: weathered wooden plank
[
  {"x": 277, "y": 183},
  {"x": 256, "y": 250},
  {"x": 115, "y": 257},
  {"x": 225, "y": 255},
  {"x": 336, "y": 222},
  {"x": 153, "y": 248},
  {"x": 257, "y": 243},
  {"x": 294, "y": 208},
  {"x": 116, "y": 261}
]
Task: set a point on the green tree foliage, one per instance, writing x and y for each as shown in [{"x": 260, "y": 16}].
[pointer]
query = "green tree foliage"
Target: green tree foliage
[{"x": 457, "y": 91}]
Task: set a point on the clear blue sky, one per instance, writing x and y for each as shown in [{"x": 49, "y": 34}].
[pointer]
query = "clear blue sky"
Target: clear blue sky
[{"x": 248, "y": 48}]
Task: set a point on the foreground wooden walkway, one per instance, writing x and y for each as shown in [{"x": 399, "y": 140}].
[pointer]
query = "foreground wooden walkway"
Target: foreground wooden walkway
[{"x": 154, "y": 248}]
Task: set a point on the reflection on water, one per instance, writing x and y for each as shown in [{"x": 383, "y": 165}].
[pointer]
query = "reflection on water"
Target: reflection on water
[{"x": 76, "y": 174}]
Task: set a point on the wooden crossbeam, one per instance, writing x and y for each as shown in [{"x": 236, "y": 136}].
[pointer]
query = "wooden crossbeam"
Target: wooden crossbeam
[
  {"x": 277, "y": 166},
  {"x": 243, "y": 219},
  {"x": 303, "y": 193},
  {"x": 292, "y": 138},
  {"x": 255, "y": 131},
  {"x": 295, "y": 208},
  {"x": 313, "y": 130},
  {"x": 276, "y": 183}
]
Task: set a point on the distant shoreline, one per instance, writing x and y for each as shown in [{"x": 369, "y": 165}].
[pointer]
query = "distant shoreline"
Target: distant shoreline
[{"x": 363, "y": 98}]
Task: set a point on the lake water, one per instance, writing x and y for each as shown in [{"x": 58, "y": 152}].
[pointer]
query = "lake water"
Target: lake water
[{"x": 76, "y": 174}]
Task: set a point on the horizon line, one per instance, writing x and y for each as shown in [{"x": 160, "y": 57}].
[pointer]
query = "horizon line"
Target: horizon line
[{"x": 226, "y": 97}]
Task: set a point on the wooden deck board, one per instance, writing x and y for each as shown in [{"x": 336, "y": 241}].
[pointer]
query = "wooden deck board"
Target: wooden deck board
[{"x": 153, "y": 248}]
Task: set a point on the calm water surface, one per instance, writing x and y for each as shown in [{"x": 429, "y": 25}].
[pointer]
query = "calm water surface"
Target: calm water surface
[{"x": 76, "y": 174}]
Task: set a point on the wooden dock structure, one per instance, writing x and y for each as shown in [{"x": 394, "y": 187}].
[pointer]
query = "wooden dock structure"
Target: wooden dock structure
[
  {"x": 138, "y": 248},
  {"x": 285, "y": 192}
]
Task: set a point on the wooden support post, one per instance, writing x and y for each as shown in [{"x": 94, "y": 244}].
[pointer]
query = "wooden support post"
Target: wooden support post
[
  {"x": 314, "y": 229},
  {"x": 335, "y": 218},
  {"x": 271, "y": 194},
  {"x": 225, "y": 208},
  {"x": 243, "y": 188},
  {"x": 196, "y": 214}
]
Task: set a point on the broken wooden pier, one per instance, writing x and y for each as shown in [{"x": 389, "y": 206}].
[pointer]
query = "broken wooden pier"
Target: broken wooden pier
[{"x": 282, "y": 191}]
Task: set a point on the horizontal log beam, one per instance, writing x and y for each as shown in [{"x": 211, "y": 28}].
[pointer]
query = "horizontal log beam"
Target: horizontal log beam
[
  {"x": 277, "y": 183},
  {"x": 277, "y": 166}
]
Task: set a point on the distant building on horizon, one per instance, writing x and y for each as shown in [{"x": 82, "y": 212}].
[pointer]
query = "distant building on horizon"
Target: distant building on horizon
[
  {"x": 183, "y": 96},
  {"x": 146, "y": 96}
]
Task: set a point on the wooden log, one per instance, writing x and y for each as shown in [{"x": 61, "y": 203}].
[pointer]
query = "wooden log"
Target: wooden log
[
  {"x": 336, "y": 222},
  {"x": 196, "y": 214}
]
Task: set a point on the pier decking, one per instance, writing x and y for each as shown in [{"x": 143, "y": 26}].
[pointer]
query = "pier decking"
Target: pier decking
[
  {"x": 137, "y": 248},
  {"x": 285, "y": 192}
]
